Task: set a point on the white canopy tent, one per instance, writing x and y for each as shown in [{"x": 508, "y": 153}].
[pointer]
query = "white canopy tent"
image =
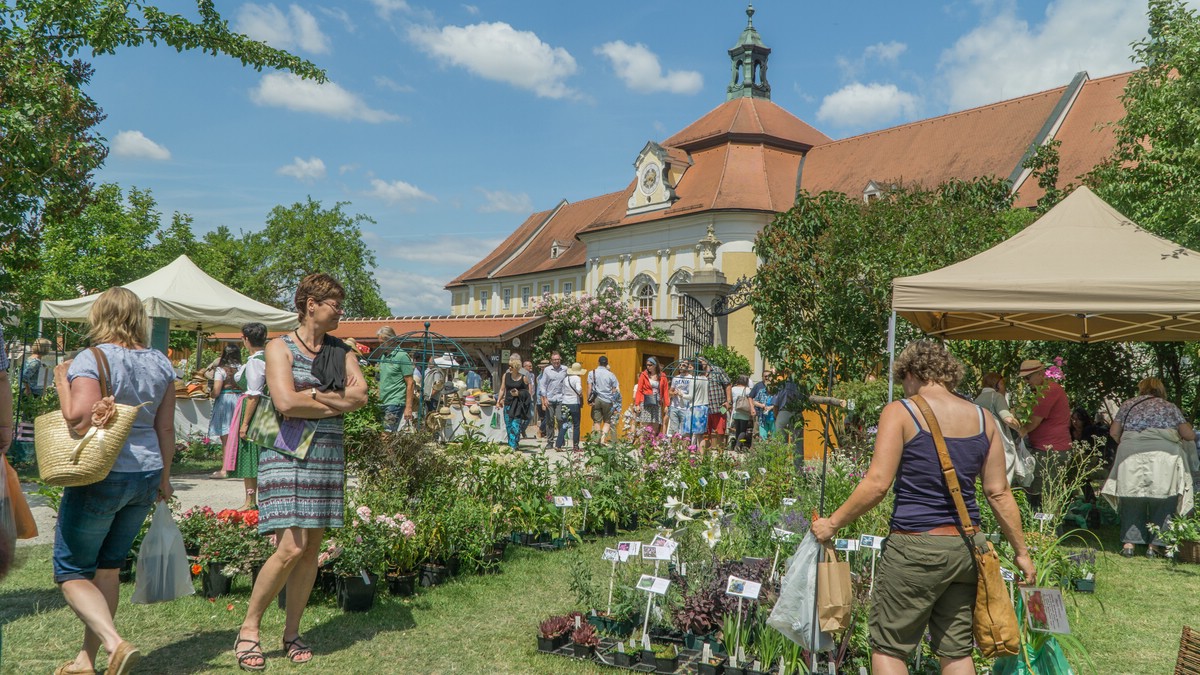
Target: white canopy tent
[
  {"x": 187, "y": 298},
  {"x": 1081, "y": 273}
]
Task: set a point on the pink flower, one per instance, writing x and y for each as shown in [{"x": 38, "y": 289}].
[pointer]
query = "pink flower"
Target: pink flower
[
  {"x": 408, "y": 528},
  {"x": 364, "y": 513},
  {"x": 1055, "y": 373},
  {"x": 358, "y": 539}
]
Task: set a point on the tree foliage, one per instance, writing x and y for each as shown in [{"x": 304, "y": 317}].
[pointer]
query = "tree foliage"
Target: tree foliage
[
  {"x": 823, "y": 291},
  {"x": 728, "y": 359},
  {"x": 49, "y": 145}
]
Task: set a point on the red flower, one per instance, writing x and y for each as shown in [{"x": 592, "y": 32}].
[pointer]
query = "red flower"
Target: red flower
[
  {"x": 250, "y": 518},
  {"x": 230, "y": 516},
  {"x": 229, "y": 607},
  {"x": 196, "y": 569}
]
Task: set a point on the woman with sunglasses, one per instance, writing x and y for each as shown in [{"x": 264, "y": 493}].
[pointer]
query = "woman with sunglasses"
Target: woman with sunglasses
[{"x": 652, "y": 386}]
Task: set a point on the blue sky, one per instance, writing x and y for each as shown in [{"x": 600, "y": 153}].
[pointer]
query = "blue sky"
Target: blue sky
[{"x": 449, "y": 123}]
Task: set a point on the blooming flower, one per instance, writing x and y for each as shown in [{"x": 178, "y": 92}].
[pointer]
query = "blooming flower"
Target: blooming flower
[{"x": 364, "y": 513}]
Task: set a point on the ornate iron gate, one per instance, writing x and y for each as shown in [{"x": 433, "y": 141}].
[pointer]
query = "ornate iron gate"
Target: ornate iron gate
[{"x": 697, "y": 327}]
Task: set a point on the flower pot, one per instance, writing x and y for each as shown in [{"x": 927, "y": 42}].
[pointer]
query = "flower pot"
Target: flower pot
[
  {"x": 705, "y": 668},
  {"x": 326, "y": 580},
  {"x": 582, "y": 651},
  {"x": 282, "y": 599},
  {"x": 402, "y": 585},
  {"x": 730, "y": 670},
  {"x": 1189, "y": 552},
  {"x": 192, "y": 551},
  {"x": 608, "y": 528},
  {"x": 354, "y": 595},
  {"x": 453, "y": 564},
  {"x": 625, "y": 659},
  {"x": 254, "y": 570},
  {"x": 553, "y": 644},
  {"x": 526, "y": 538},
  {"x": 213, "y": 580},
  {"x": 561, "y": 542},
  {"x": 666, "y": 664},
  {"x": 1084, "y": 585},
  {"x": 433, "y": 574}
]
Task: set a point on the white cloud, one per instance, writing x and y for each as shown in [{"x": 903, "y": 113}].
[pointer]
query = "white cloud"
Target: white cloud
[
  {"x": 859, "y": 105},
  {"x": 887, "y": 53},
  {"x": 397, "y": 191},
  {"x": 135, "y": 145},
  {"x": 471, "y": 9},
  {"x": 411, "y": 294},
  {"x": 445, "y": 250},
  {"x": 639, "y": 69},
  {"x": 305, "y": 170},
  {"x": 388, "y": 83},
  {"x": 1005, "y": 56},
  {"x": 506, "y": 202},
  {"x": 296, "y": 29},
  {"x": 347, "y": 168},
  {"x": 497, "y": 51},
  {"x": 385, "y": 8},
  {"x": 341, "y": 15},
  {"x": 285, "y": 90}
]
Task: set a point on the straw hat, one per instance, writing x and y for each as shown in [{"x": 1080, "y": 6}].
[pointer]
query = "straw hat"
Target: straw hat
[
  {"x": 576, "y": 369},
  {"x": 446, "y": 361},
  {"x": 469, "y": 401},
  {"x": 486, "y": 398},
  {"x": 474, "y": 412},
  {"x": 444, "y": 411},
  {"x": 1029, "y": 366},
  {"x": 433, "y": 422}
]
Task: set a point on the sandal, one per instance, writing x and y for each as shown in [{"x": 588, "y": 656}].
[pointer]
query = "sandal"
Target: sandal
[
  {"x": 245, "y": 655},
  {"x": 297, "y": 650},
  {"x": 123, "y": 659}
]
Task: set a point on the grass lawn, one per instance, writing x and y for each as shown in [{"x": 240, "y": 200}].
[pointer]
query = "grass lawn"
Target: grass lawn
[
  {"x": 195, "y": 466},
  {"x": 487, "y": 624}
]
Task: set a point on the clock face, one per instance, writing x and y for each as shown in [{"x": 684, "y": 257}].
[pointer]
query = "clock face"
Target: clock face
[{"x": 649, "y": 177}]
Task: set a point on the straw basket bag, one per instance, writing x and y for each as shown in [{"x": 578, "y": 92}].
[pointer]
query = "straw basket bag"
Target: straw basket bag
[{"x": 69, "y": 460}]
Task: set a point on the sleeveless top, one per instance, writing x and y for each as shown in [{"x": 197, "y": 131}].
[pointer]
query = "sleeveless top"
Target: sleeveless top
[
  {"x": 518, "y": 384},
  {"x": 922, "y": 500}
]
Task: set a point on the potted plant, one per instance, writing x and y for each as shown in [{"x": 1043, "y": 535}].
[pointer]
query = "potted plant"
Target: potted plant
[
  {"x": 624, "y": 657},
  {"x": 225, "y": 551},
  {"x": 194, "y": 525},
  {"x": 363, "y": 551},
  {"x": 715, "y": 665},
  {"x": 401, "y": 554},
  {"x": 1182, "y": 537},
  {"x": 1083, "y": 571},
  {"x": 552, "y": 633},
  {"x": 584, "y": 641},
  {"x": 666, "y": 658},
  {"x": 768, "y": 646}
]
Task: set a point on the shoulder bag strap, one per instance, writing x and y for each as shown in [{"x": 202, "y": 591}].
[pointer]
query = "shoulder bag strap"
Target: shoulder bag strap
[
  {"x": 948, "y": 471},
  {"x": 102, "y": 370}
]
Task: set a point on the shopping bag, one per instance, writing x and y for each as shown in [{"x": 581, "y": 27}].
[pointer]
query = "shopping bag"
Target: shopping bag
[
  {"x": 795, "y": 611},
  {"x": 8, "y": 526},
  {"x": 833, "y": 592},
  {"x": 22, "y": 515},
  {"x": 287, "y": 435},
  {"x": 162, "y": 565}
]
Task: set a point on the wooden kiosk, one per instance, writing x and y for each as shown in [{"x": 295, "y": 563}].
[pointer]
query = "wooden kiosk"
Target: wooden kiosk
[{"x": 625, "y": 359}]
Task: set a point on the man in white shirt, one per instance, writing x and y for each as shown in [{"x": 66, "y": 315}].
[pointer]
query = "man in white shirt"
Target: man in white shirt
[
  {"x": 606, "y": 388},
  {"x": 550, "y": 388}
]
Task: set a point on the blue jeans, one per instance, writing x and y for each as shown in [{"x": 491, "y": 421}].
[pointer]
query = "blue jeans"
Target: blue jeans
[
  {"x": 393, "y": 414},
  {"x": 97, "y": 523},
  {"x": 573, "y": 408}
]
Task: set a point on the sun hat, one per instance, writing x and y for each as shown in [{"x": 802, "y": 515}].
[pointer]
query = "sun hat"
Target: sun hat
[
  {"x": 576, "y": 369},
  {"x": 433, "y": 422},
  {"x": 446, "y": 360},
  {"x": 486, "y": 399},
  {"x": 444, "y": 411},
  {"x": 1029, "y": 366},
  {"x": 474, "y": 412},
  {"x": 469, "y": 401}
]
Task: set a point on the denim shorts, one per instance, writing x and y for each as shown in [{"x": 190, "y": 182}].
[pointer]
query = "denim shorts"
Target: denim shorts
[
  {"x": 97, "y": 523},
  {"x": 393, "y": 414}
]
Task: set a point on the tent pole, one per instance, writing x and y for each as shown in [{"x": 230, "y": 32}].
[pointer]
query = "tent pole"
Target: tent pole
[{"x": 891, "y": 345}]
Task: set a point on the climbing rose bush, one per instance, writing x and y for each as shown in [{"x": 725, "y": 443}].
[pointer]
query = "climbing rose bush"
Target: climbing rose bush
[{"x": 590, "y": 318}]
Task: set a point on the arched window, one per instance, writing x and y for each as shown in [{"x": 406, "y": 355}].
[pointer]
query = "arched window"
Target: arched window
[
  {"x": 680, "y": 277},
  {"x": 645, "y": 292},
  {"x": 608, "y": 285}
]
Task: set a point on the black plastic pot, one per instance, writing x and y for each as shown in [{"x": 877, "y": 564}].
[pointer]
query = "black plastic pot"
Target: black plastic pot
[
  {"x": 629, "y": 521},
  {"x": 608, "y": 528},
  {"x": 433, "y": 575},
  {"x": 125, "y": 575},
  {"x": 355, "y": 595},
  {"x": 549, "y": 645},
  {"x": 402, "y": 585},
  {"x": 282, "y": 599},
  {"x": 582, "y": 651},
  {"x": 626, "y": 659},
  {"x": 704, "y": 668},
  {"x": 490, "y": 564},
  {"x": 326, "y": 580},
  {"x": 666, "y": 664},
  {"x": 1084, "y": 585},
  {"x": 213, "y": 582}
]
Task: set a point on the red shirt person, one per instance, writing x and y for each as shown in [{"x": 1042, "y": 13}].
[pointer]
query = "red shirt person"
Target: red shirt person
[{"x": 1049, "y": 425}]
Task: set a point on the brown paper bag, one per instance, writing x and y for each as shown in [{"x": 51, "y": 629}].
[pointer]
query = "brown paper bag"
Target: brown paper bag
[
  {"x": 833, "y": 592},
  {"x": 26, "y": 525}
]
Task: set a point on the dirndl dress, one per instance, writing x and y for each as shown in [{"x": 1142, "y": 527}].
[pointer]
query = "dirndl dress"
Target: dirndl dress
[
  {"x": 222, "y": 411},
  {"x": 310, "y": 492}
]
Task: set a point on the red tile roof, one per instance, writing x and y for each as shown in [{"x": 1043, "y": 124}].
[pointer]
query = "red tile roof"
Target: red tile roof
[
  {"x": 985, "y": 141},
  {"x": 1087, "y": 134},
  {"x": 484, "y": 328},
  {"x": 752, "y": 120}
]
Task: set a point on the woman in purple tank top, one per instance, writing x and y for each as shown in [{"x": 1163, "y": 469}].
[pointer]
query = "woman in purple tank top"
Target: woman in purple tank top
[{"x": 926, "y": 574}]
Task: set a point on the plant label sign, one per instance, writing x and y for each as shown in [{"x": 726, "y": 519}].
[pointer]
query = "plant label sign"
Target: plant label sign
[
  {"x": 703, "y": 483},
  {"x": 742, "y": 588},
  {"x": 724, "y": 475},
  {"x": 564, "y": 501},
  {"x": 1007, "y": 575},
  {"x": 745, "y": 475},
  {"x": 1043, "y": 516},
  {"x": 846, "y": 544},
  {"x": 762, "y": 470},
  {"x": 663, "y": 542},
  {"x": 780, "y": 534},
  {"x": 587, "y": 495},
  {"x": 652, "y": 552},
  {"x": 789, "y": 501},
  {"x": 870, "y": 541},
  {"x": 683, "y": 486},
  {"x": 628, "y": 548},
  {"x": 611, "y": 554},
  {"x": 653, "y": 584},
  {"x": 1045, "y": 610}
]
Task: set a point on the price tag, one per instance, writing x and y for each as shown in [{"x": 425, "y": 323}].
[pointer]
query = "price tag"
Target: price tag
[
  {"x": 845, "y": 544},
  {"x": 611, "y": 554},
  {"x": 587, "y": 495},
  {"x": 703, "y": 483},
  {"x": 789, "y": 501},
  {"x": 870, "y": 541}
]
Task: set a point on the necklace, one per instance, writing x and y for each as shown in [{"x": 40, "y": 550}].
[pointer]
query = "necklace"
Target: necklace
[{"x": 305, "y": 344}]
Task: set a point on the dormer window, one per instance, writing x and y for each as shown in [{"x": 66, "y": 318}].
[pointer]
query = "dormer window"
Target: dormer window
[
  {"x": 557, "y": 249},
  {"x": 872, "y": 191}
]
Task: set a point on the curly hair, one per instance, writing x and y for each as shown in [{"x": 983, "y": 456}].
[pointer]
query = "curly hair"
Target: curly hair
[
  {"x": 118, "y": 316},
  {"x": 320, "y": 287},
  {"x": 929, "y": 361}
]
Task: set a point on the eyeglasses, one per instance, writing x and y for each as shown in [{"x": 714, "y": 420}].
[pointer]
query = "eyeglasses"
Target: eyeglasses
[{"x": 334, "y": 305}]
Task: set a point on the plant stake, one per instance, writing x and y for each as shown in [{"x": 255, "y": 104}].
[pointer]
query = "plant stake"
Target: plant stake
[{"x": 611, "y": 577}]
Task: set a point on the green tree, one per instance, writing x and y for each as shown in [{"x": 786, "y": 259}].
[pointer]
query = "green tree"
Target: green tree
[
  {"x": 823, "y": 291},
  {"x": 304, "y": 238},
  {"x": 49, "y": 146},
  {"x": 728, "y": 359}
]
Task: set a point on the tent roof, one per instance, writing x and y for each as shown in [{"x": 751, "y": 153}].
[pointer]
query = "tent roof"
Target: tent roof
[
  {"x": 1082, "y": 273},
  {"x": 187, "y": 296}
]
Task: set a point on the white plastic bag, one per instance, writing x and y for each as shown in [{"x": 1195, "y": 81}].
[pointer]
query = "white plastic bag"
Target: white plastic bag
[
  {"x": 162, "y": 565},
  {"x": 794, "y": 614}
]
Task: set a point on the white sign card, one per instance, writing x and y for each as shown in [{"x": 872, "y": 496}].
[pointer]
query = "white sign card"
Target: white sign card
[
  {"x": 652, "y": 552},
  {"x": 1007, "y": 575},
  {"x": 1045, "y": 610},
  {"x": 587, "y": 495},
  {"x": 1043, "y": 516},
  {"x": 744, "y": 474},
  {"x": 724, "y": 475},
  {"x": 628, "y": 548},
  {"x": 762, "y": 470},
  {"x": 611, "y": 554},
  {"x": 563, "y": 501},
  {"x": 870, "y": 541},
  {"x": 683, "y": 486},
  {"x": 845, "y": 544},
  {"x": 663, "y": 542},
  {"x": 653, "y": 584},
  {"x": 780, "y": 534},
  {"x": 703, "y": 483},
  {"x": 743, "y": 588},
  {"x": 789, "y": 501}
]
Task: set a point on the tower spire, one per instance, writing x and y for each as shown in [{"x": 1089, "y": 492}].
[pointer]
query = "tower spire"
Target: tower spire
[{"x": 749, "y": 57}]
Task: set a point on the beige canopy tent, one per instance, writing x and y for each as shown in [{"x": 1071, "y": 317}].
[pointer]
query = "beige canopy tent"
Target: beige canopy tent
[
  {"x": 1082, "y": 273},
  {"x": 187, "y": 298}
]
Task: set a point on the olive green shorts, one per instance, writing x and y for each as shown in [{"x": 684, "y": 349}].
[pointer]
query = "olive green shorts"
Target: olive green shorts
[{"x": 923, "y": 580}]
